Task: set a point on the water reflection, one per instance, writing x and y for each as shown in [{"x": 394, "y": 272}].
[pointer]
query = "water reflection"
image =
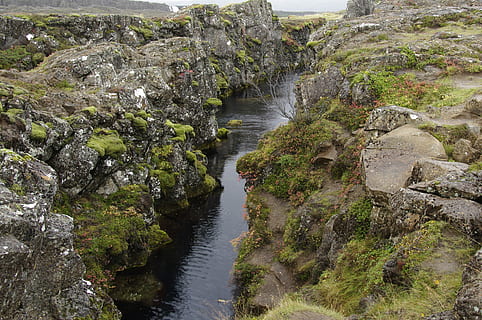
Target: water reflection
[{"x": 195, "y": 270}]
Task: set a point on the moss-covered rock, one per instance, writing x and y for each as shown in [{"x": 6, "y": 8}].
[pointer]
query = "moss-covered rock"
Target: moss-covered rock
[{"x": 107, "y": 143}]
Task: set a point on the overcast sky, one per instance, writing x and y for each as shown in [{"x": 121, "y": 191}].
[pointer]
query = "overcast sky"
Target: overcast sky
[{"x": 286, "y": 5}]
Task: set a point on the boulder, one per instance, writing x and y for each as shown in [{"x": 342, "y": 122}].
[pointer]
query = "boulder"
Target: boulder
[
  {"x": 429, "y": 169},
  {"x": 464, "y": 152},
  {"x": 386, "y": 119},
  {"x": 327, "y": 84},
  {"x": 466, "y": 185},
  {"x": 41, "y": 272},
  {"x": 469, "y": 299},
  {"x": 359, "y": 8},
  {"x": 388, "y": 161},
  {"x": 276, "y": 283},
  {"x": 407, "y": 209},
  {"x": 474, "y": 105}
]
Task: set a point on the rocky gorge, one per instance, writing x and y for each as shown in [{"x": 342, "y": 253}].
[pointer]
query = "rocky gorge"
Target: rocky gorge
[
  {"x": 103, "y": 122},
  {"x": 367, "y": 203}
]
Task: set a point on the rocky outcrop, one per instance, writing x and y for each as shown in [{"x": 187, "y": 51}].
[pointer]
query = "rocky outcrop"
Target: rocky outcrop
[
  {"x": 139, "y": 97},
  {"x": 42, "y": 272},
  {"x": 467, "y": 305},
  {"x": 389, "y": 161},
  {"x": 418, "y": 200},
  {"x": 358, "y": 8},
  {"x": 117, "y": 102}
]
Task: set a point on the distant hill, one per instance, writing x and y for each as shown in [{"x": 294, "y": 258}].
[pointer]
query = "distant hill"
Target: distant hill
[
  {"x": 79, "y": 4},
  {"x": 287, "y": 13}
]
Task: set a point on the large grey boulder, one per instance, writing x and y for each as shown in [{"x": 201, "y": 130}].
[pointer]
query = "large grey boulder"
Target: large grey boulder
[
  {"x": 464, "y": 152},
  {"x": 41, "y": 274},
  {"x": 386, "y": 119},
  {"x": 389, "y": 160},
  {"x": 359, "y": 8}
]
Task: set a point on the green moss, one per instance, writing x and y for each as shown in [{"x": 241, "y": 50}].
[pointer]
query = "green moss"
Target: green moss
[
  {"x": 157, "y": 237},
  {"x": 143, "y": 114},
  {"x": 18, "y": 189},
  {"x": 146, "y": 32},
  {"x": 64, "y": 85},
  {"x": 111, "y": 233},
  {"x": 191, "y": 156},
  {"x": 361, "y": 210},
  {"x": 214, "y": 102},
  {"x": 140, "y": 123},
  {"x": 241, "y": 56},
  {"x": 181, "y": 130},
  {"x": 312, "y": 44},
  {"x": 129, "y": 116},
  {"x": 289, "y": 153},
  {"x": 167, "y": 179},
  {"x": 201, "y": 168},
  {"x": 90, "y": 110},
  {"x": 12, "y": 114},
  {"x": 14, "y": 57},
  {"x": 106, "y": 143},
  {"x": 221, "y": 82},
  {"x": 223, "y": 133},
  {"x": 38, "y": 133},
  {"x": 210, "y": 183}
]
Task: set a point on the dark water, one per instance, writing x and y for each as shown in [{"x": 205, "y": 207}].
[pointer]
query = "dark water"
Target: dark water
[{"x": 191, "y": 278}]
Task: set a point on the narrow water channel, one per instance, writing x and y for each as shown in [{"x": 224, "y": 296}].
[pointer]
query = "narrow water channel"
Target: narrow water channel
[{"x": 191, "y": 278}]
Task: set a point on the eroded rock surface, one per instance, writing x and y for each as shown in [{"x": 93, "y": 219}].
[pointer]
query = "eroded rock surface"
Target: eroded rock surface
[{"x": 44, "y": 272}]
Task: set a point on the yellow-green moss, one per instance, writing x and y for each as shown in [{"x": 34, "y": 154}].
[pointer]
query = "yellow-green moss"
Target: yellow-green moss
[
  {"x": 214, "y": 102},
  {"x": 12, "y": 114},
  {"x": 223, "y": 133},
  {"x": 106, "y": 142},
  {"x": 166, "y": 179},
  {"x": 91, "y": 110},
  {"x": 181, "y": 130},
  {"x": 38, "y": 133},
  {"x": 146, "y": 32}
]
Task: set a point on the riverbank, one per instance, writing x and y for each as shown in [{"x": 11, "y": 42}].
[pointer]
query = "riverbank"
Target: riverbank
[{"x": 371, "y": 169}]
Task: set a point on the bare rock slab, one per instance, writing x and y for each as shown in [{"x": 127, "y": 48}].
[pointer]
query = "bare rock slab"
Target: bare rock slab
[{"x": 388, "y": 162}]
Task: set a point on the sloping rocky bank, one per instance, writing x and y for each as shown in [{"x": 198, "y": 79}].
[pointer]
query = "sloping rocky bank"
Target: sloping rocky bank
[
  {"x": 367, "y": 205},
  {"x": 103, "y": 119}
]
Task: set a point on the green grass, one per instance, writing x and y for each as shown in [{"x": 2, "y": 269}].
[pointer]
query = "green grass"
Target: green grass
[
  {"x": 289, "y": 153},
  {"x": 358, "y": 273},
  {"x": 289, "y": 307}
]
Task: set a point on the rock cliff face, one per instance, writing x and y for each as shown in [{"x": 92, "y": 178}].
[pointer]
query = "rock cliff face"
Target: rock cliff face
[
  {"x": 42, "y": 274},
  {"x": 109, "y": 104},
  {"x": 381, "y": 169}
]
